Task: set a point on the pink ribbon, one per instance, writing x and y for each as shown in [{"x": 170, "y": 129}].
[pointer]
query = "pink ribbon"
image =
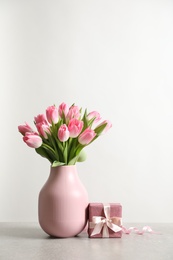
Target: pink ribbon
[
  {"x": 100, "y": 223},
  {"x": 137, "y": 231}
]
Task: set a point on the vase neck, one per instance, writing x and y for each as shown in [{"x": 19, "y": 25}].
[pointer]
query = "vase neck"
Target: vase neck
[{"x": 63, "y": 172}]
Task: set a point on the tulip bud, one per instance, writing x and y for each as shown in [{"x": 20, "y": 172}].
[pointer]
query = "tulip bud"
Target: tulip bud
[
  {"x": 63, "y": 133},
  {"x": 75, "y": 127},
  {"x": 52, "y": 114},
  {"x": 33, "y": 140},
  {"x": 86, "y": 137}
]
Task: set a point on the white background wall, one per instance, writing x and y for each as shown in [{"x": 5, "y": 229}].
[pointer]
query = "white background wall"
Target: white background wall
[{"x": 112, "y": 56}]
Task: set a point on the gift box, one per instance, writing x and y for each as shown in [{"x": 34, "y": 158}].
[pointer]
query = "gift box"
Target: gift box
[{"x": 105, "y": 220}]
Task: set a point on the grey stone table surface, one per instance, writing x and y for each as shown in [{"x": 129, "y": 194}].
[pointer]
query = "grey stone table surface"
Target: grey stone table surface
[{"x": 27, "y": 241}]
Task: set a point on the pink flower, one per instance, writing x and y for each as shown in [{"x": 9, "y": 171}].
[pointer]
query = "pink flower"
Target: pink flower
[
  {"x": 87, "y": 136},
  {"x": 41, "y": 119},
  {"x": 75, "y": 127},
  {"x": 63, "y": 133},
  {"x": 43, "y": 129},
  {"x": 63, "y": 110},
  {"x": 94, "y": 114},
  {"x": 52, "y": 114},
  {"x": 74, "y": 112},
  {"x": 33, "y": 140},
  {"x": 23, "y": 129}
]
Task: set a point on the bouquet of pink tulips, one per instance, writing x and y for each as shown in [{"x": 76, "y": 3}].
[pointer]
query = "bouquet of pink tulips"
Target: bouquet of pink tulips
[{"x": 63, "y": 132}]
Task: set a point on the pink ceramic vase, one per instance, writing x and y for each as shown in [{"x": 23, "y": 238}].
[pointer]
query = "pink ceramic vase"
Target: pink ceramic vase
[{"x": 63, "y": 203}]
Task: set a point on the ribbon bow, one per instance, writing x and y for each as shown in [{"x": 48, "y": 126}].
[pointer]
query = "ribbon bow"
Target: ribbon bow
[{"x": 99, "y": 223}]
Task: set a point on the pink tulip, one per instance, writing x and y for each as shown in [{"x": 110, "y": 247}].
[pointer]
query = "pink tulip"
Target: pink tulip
[
  {"x": 87, "y": 136},
  {"x": 94, "y": 114},
  {"x": 23, "y": 129},
  {"x": 63, "y": 110},
  {"x": 43, "y": 129},
  {"x": 75, "y": 127},
  {"x": 63, "y": 133},
  {"x": 74, "y": 112},
  {"x": 33, "y": 140},
  {"x": 41, "y": 118},
  {"x": 52, "y": 114}
]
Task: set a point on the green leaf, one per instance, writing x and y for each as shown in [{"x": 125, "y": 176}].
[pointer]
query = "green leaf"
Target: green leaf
[
  {"x": 73, "y": 161},
  {"x": 56, "y": 163},
  {"x": 73, "y": 142},
  {"x": 98, "y": 130},
  {"x": 49, "y": 149},
  {"x": 41, "y": 151},
  {"x": 85, "y": 120},
  {"x": 65, "y": 152},
  {"x": 57, "y": 145},
  {"x": 90, "y": 122},
  {"x": 53, "y": 143}
]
